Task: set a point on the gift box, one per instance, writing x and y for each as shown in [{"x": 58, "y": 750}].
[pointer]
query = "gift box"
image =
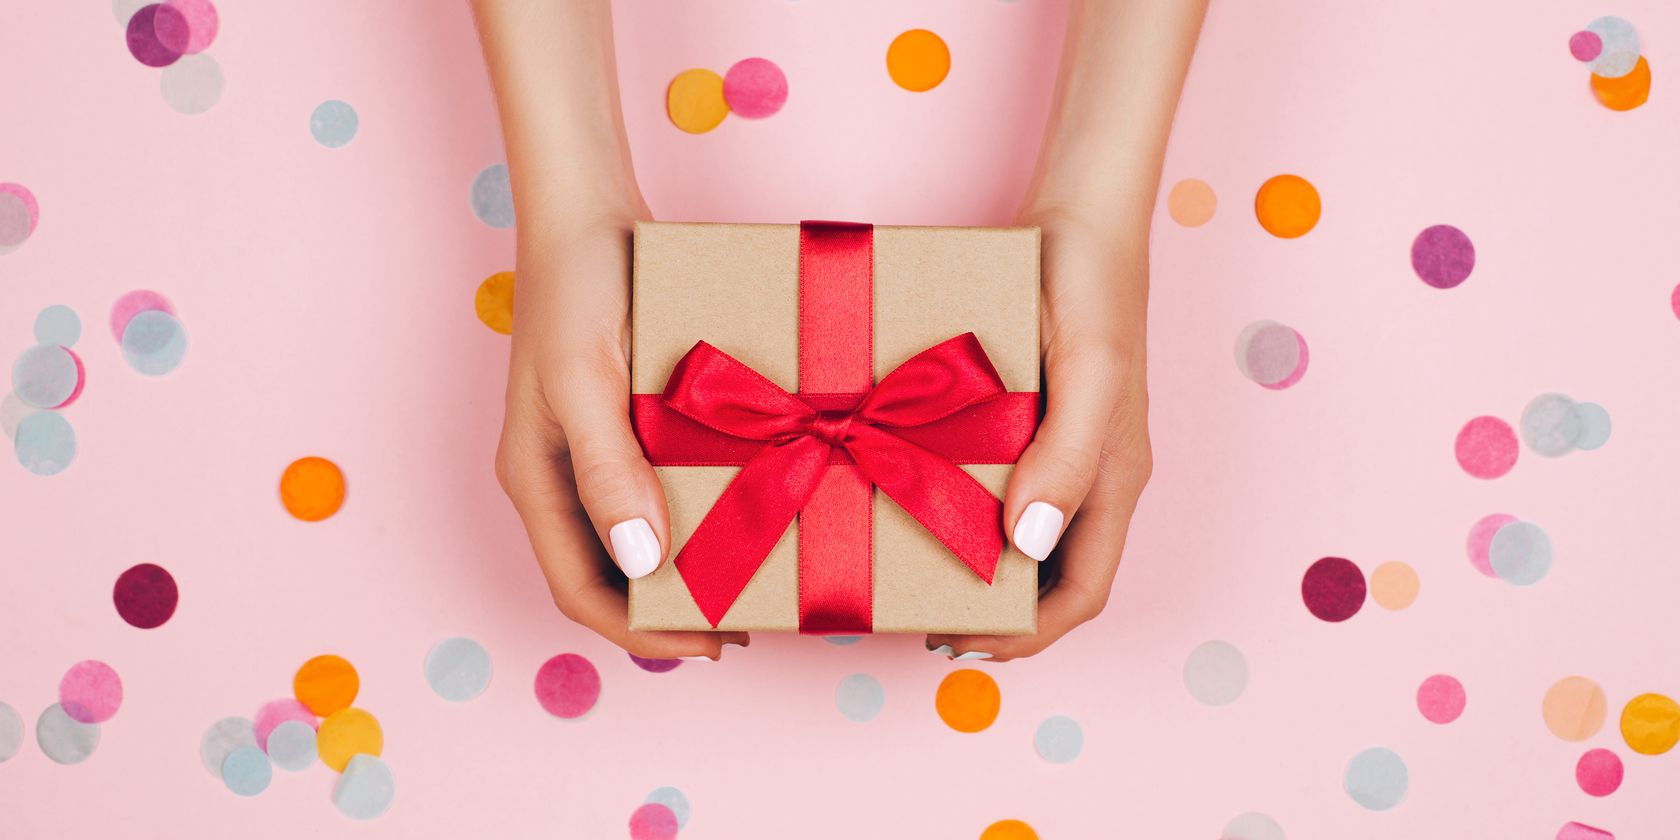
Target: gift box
[{"x": 833, "y": 411}]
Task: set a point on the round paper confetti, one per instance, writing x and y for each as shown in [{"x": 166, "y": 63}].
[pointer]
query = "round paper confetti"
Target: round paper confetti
[
  {"x": 1009, "y": 830},
  {"x": 1252, "y": 826},
  {"x": 1627, "y": 92},
  {"x": 123, "y": 10},
  {"x": 312, "y": 488},
  {"x": 1059, "y": 739},
  {"x": 494, "y": 302},
  {"x": 842, "y": 641},
  {"x": 1674, "y": 301},
  {"x": 1651, "y": 724},
  {"x": 145, "y": 595},
  {"x": 859, "y": 697},
  {"x": 655, "y": 666},
  {"x": 694, "y": 101},
  {"x": 1595, "y": 426},
  {"x": 291, "y": 746},
  {"x": 47, "y": 376},
  {"x": 918, "y": 60},
  {"x": 1192, "y": 202},
  {"x": 44, "y": 443},
  {"x": 326, "y": 684},
  {"x": 1577, "y": 831},
  {"x": 674, "y": 799},
  {"x": 755, "y": 88},
  {"x": 1376, "y": 779},
  {"x": 1486, "y": 447},
  {"x": 333, "y": 123},
  {"x": 143, "y": 41},
  {"x": 1394, "y": 585},
  {"x": 968, "y": 700},
  {"x": 58, "y": 325},
  {"x": 221, "y": 739},
  {"x": 276, "y": 712},
  {"x": 134, "y": 303},
  {"x": 90, "y": 692},
  {"x": 153, "y": 343},
  {"x": 15, "y": 222},
  {"x": 1443, "y": 256},
  {"x": 568, "y": 685},
  {"x": 1520, "y": 553},
  {"x": 1585, "y": 46},
  {"x": 63, "y": 738},
  {"x": 1333, "y": 589},
  {"x": 1618, "y": 46},
  {"x": 247, "y": 771},
  {"x": 1273, "y": 353},
  {"x": 1287, "y": 206},
  {"x": 492, "y": 196},
  {"x": 653, "y": 821},
  {"x": 11, "y": 732},
  {"x": 12, "y": 412},
  {"x": 458, "y": 669},
  {"x": 1440, "y": 699},
  {"x": 346, "y": 733},
  {"x": 1599, "y": 772},
  {"x": 366, "y": 789},
  {"x": 1574, "y": 708},
  {"x": 201, "y": 25},
  {"x": 1481, "y": 536},
  {"x": 1216, "y": 673},
  {"x": 1550, "y": 425},
  {"x": 192, "y": 85}
]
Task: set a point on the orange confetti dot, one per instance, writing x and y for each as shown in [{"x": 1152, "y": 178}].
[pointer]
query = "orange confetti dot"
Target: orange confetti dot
[
  {"x": 695, "y": 102},
  {"x": 494, "y": 302},
  {"x": 346, "y": 733},
  {"x": 1573, "y": 708},
  {"x": 1191, "y": 202},
  {"x": 1624, "y": 93},
  {"x": 968, "y": 700},
  {"x": 918, "y": 60},
  {"x": 1394, "y": 586},
  {"x": 1287, "y": 206},
  {"x": 312, "y": 488},
  {"x": 1009, "y": 830},
  {"x": 1651, "y": 724},
  {"x": 326, "y": 684}
]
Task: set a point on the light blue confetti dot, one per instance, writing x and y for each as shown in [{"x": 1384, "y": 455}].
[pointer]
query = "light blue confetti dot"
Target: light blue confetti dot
[
  {"x": 45, "y": 376},
  {"x": 1376, "y": 779},
  {"x": 859, "y": 697},
  {"x": 458, "y": 669},
  {"x": 64, "y": 739},
  {"x": 246, "y": 771},
  {"x": 1520, "y": 553},
  {"x": 222, "y": 738},
  {"x": 1550, "y": 425},
  {"x": 44, "y": 443},
  {"x": 671, "y": 798},
  {"x": 1595, "y": 426},
  {"x": 1059, "y": 739},
  {"x": 11, "y": 732},
  {"x": 154, "y": 342},
  {"x": 842, "y": 641},
  {"x": 492, "y": 196},
  {"x": 333, "y": 123},
  {"x": 366, "y": 788},
  {"x": 291, "y": 745},
  {"x": 58, "y": 325}
]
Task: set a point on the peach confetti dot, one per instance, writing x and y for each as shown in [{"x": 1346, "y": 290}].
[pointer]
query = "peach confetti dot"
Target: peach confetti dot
[
  {"x": 494, "y": 302},
  {"x": 1574, "y": 708},
  {"x": 1651, "y": 724},
  {"x": 918, "y": 60},
  {"x": 1394, "y": 586},
  {"x": 312, "y": 488},
  {"x": 1009, "y": 830},
  {"x": 1599, "y": 772},
  {"x": 1192, "y": 202},
  {"x": 326, "y": 684},
  {"x": 347, "y": 733},
  {"x": 1624, "y": 93},
  {"x": 695, "y": 102},
  {"x": 1287, "y": 206},
  {"x": 968, "y": 700},
  {"x": 1486, "y": 447}
]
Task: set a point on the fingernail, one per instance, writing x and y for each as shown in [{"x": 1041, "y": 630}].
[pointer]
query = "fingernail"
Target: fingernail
[
  {"x": 1037, "y": 530},
  {"x": 973, "y": 654},
  {"x": 942, "y": 650},
  {"x": 697, "y": 659},
  {"x": 635, "y": 547}
]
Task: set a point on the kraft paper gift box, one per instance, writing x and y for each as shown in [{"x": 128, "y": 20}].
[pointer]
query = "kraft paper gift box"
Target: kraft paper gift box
[{"x": 849, "y": 303}]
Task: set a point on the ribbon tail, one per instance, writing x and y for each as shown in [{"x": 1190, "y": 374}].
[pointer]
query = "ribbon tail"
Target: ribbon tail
[{"x": 959, "y": 512}]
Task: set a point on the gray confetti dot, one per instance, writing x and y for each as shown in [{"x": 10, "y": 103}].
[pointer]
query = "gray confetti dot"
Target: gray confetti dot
[
  {"x": 1252, "y": 826},
  {"x": 333, "y": 123},
  {"x": 492, "y": 196},
  {"x": 193, "y": 84},
  {"x": 45, "y": 376},
  {"x": 154, "y": 342},
  {"x": 58, "y": 324},
  {"x": 11, "y": 732},
  {"x": 122, "y": 10},
  {"x": 44, "y": 443},
  {"x": 1621, "y": 47},
  {"x": 1595, "y": 426},
  {"x": 12, "y": 412},
  {"x": 366, "y": 788},
  {"x": 1059, "y": 739},
  {"x": 63, "y": 738},
  {"x": 859, "y": 697},
  {"x": 1216, "y": 673},
  {"x": 1376, "y": 779},
  {"x": 246, "y": 771},
  {"x": 674, "y": 799},
  {"x": 842, "y": 641},
  {"x": 291, "y": 745},
  {"x": 458, "y": 669},
  {"x": 1520, "y": 553},
  {"x": 1550, "y": 425},
  {"x": 222, "y": 738}
]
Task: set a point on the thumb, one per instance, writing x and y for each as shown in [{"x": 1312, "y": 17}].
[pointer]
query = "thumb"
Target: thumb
[{"x": 1056, "y": 471}]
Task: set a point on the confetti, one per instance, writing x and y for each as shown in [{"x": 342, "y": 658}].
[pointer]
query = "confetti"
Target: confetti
[
  {"x": 1333, "y": 589},
  {"x": 153, "y": 343},
  {"x": 47, "y": 376},
  {"x": 1520, "y": 553},
  {"x": 221, "y": 739},
  {"x": 653, "y": 821},
  {"x": 124, "y": 10},
  {"x": 694, "y": 101},
  {"x": 755, "y": 88},
  {"x": 143, "y": 41},
  {"x": 346, "y": 733},
  {"x": 1481, "y": 536},
  {"x": 145, "y": 596},
  {"x": 90, "y": 692},
  {"x": 1595, "y": 426},
  {"x": 312, "y": 488},
  {"x": 458, "y": 669},
  {"x": 1009, "y": 830},
  {"x": 11, "y": 732},
  {"x": 1443, "y": 256},
  {"x": 494, "y": 302},
  {"x": 276, "y": 712},
  {"x": 1191, "y": 202},
  {"x": 59, "y": 325},
  {"x": 842, "y": 641},
  {"x": 1216, "y": 673},
  {"x": 1394, "y": 585},
  {"x": 1376, "y": 779},
  {"x": 1440, "y": 699},
  {"x": 1252, "y": 826},
  {"x": 246, "y": 771},
  {"x": 134, "y": 303},
  {"x": 1585, "y": 45},
  {"x": 192, "y": 85},
  {"x": 1618, "y": 47},
  {"x": 1574, "y": 708},
  {"x": 568, "y": 686},
  {"x": 918, "y": 60},
  {"x": 1577, "y": 831},
  {"x": 1059, "y": 739},
  {"x": 492, "y": 196},
  {"x": 859, "y": 697},
  {"x": 19, "y": 214},
  {"x": 291, "y": 746},
  {"x": 1287, "y": 206},
  {"x": 1599, "y": 772},
  {"x": 366, "y": 789},
  {"x": 63, "y": 738},
  {"x": 44, "y": 443},
  {"x": 1651, "y": 724},
  {"x": 1550, "y": 425},
  {"x": 1486, "y": 447},
  {"x": 12, "y": 412},
  {"x": 1624, "y": 93},
  {"x": 326, "y": 684},
  {"x": 967, "y": 700},
  {"x": 674, "y": 799},
  {"x": 1272, "y": 355},
  {"x": 333, "y": 123},
  {"x": 201, "y": 24},
  {"x": 655, "y": 666}
]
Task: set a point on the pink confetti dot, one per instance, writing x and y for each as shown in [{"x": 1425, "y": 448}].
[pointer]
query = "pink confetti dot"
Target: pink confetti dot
[
  {"x": 276, "y": 712},
  {"x": 755, "y": 88},
  {"x": 1585, "y": 46},
  {"x": 193, "y": 30},
  {"x": 1300, "y": 367},
  {"x": 1481, "y": 536},
  {"x": 568, "y": 686},
  {"x": 1441, "y": 699},
  {"x": 653, "y": 821},
  {"x": 132, "y": 304},
  {"x": 1674, "y": 301},
  {"x": 1486, "y": 447},
  {"x": 10, "y": 237},
  {"x": 91, "y": 691},
  {"x": 1577, "y": 831},
  {"x": 1599, "y": 772}
]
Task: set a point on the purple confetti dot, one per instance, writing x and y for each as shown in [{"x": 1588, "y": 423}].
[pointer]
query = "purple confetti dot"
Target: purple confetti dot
[
  {"x": 1443, "y": 256},
  {"x": 655, "y": 666},
  {"x": 146, "y": 31}
]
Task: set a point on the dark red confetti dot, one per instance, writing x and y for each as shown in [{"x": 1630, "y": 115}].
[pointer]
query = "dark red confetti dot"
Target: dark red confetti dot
[
  {"x": 145, "y": 596},
  {"x": 1333, "y": 589}
]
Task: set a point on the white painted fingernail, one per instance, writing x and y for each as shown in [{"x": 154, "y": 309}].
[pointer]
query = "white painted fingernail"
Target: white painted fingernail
[
  {"x": 697, "y": 659},
  {"x": 1037, "y": 530},
  {"x": 973, "y": 654},
  {"x": 635, "y": 547},
  {"x": 942, "y": 650}
]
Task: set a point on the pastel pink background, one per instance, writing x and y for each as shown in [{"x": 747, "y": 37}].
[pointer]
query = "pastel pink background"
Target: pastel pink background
[{"x": 328, "y": 298}]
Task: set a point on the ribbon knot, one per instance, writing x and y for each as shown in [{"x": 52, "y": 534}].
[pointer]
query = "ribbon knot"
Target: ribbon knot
[{"x": 830, "y": 427}]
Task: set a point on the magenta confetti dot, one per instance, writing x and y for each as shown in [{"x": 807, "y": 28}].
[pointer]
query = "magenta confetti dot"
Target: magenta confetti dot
[
  {"x": 653, "y": 821},
  {"x": 91, "y": 692},
  {"x": 655, "y": 666},
  {"x": 1674, "y": 301},
  {"x": 1481, "y": 536},
  {"x": 1443, "y": 256},
  {"x": 145, "y": 596},
  {"x": 276, "y": 712},
  {"x": 1486, "y": 447},
  {"x": 1585, "y": 46},
  {"x": 1441, "y": 699},
  {"x": 1333, "y": 589},
  {"x": 568, "y": 686},
  {"x": 144, "y": 42},
  {"x": 755, "y": 88},
  {"x": 134, "y": 303},
  {"x": 1599, "y": 772}
]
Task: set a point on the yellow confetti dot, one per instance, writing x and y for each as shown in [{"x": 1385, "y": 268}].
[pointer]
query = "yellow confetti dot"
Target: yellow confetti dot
[
  {"x": 1192, "y": 202},
  {"x": 1574, "y": 708},
  {"x": 494, "y": 302},
  {"x": 694, "y": 101},
  {"x": 1394, "y": 586},
  {"x": 312, "y": 488},
  {"x": 1651, "y": 724},
  {"x": 1287, "y": 206},
  {"x": 967, "y": 700},
  {"x": 1009, "y": 830},
  {"x": 326, "y": 684},
  {"x": 918, "y": 60},
  {"x": 345, "y": 733},
  {"x": 1624, "y": 93}
]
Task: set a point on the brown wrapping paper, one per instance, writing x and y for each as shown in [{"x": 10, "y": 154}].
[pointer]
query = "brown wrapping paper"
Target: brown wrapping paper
[{"x": 737, "y": 287}]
